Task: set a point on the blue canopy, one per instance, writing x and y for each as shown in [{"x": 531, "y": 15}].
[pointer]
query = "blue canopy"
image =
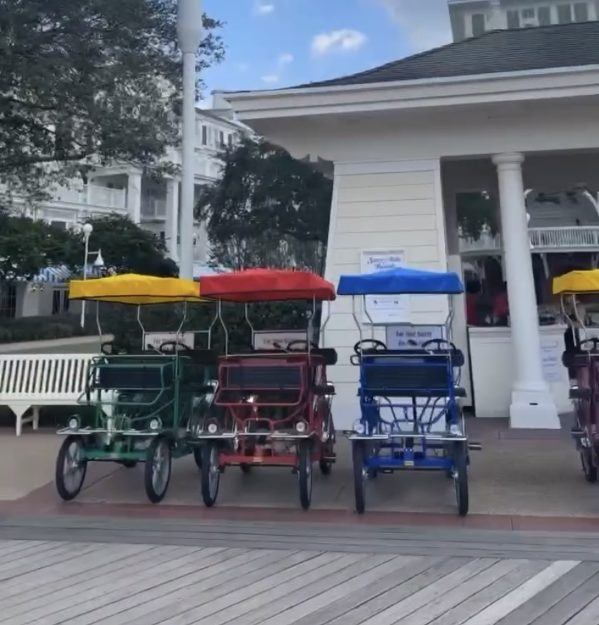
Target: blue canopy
[{"x": 401, "y": 280}]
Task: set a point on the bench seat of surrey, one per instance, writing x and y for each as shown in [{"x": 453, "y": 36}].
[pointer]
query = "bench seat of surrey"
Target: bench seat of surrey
[{"x": 31, "y": 381}]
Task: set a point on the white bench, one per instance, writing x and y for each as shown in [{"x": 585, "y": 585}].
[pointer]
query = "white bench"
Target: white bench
[{"x": 36, "y": 380}]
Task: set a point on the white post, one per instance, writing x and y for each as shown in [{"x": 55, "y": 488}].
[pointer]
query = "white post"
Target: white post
[
  {"x": 87, "y": 230},
  {"x": 532, "y": 404},
  {"x": 134, "y": 196},
  {"x": 172, "y": 217},
  {"x": 189, "y": 30}
]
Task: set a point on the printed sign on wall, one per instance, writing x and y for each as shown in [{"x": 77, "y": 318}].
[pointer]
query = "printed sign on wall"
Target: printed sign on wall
[
  {"x": 153, "y": 340},
  {"x": 411, "y": 337},
  {"x": 385, "y": 309}
]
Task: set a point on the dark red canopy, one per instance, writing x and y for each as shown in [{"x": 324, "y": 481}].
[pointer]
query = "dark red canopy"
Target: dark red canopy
[{"x": 266, "y": 285}]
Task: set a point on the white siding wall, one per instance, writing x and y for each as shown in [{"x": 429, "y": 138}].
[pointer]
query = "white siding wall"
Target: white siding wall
[{"x": 378, "y": 206}]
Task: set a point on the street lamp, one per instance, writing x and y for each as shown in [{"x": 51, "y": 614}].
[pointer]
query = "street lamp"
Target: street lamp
[
  {"x": 189, "y": 32},
  {"x": 98, "y": 263}
]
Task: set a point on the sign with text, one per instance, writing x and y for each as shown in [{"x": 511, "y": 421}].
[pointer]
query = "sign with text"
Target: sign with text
[
  {"x": 153, "y": 340},
  {"x": 411, "y": 337},
  {"x": 384, "y": 309},
  {"x": 277, "y": 340}
]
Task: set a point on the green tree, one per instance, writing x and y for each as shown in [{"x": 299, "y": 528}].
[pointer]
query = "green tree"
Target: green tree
[
  {"x": 88, "y": 82},
  {"x": 266, "y": 209}
]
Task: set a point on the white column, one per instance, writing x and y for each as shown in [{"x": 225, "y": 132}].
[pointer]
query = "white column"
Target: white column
[
  {"x": 172, "y": 218},
  {"x": 532, "y": 404},
  {"x": 134, "y": 196}
]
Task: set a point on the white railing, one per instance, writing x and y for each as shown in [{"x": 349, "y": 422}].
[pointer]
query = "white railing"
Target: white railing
[
  {"x": 104, "y": 196},
  {"x": 570, "y": 238}
]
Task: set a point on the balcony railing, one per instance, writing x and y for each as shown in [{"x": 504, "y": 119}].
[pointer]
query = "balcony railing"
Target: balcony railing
[
  {"x": 568, "y": 238},
  {"x": 93, "y": 195}
]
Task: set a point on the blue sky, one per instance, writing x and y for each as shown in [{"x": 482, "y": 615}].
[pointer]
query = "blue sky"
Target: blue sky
[{"x": 277, "y": 43}]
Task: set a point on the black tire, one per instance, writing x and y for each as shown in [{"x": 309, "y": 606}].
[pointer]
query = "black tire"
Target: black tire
[
  {"x": 129, "y": 464},
  {"x": 210, "y": 473},
  {"x": 246, "y": 469},
  {"x": 358, "y": 454},
  {"x": 304, "y": 473},
  {"x": 69, "y": 479},
  {"x": 588, "y": 467},
  {"x": 158, "y": 468},
  {"x": 197, "y": 456},
  {"x": 325, "y": 466},
  {"x": 460, "y": 466}
]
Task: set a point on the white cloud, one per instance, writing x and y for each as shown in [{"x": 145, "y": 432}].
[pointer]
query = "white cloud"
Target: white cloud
[
  {"x": 343, "y": 40},
  {"x": 264, "y": 8},
  {"x": 270, "y": 79},
  {"x": 284, "y": 59},
  {"x": 424, "y": 23}
]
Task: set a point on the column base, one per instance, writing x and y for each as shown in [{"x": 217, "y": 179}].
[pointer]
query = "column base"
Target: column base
[{"x": 534, "y": 410}]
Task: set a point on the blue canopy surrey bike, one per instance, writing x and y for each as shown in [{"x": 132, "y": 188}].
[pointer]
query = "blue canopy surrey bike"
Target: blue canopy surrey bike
[{"x": 410, "y": 414}]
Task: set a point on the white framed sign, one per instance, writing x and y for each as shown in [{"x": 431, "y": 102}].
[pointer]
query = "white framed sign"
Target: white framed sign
[
  {"x": 153, "y": 340},
  {"x": 551, "y": 355},
  {"x": 277, "y": 339},
  {"x": 384, "y": 309},
  {"x": 406, "y": 336}
]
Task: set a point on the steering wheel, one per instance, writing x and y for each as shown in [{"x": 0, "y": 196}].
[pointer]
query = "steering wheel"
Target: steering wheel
[
  {"x": 440, "y": 343},
  {"x": 303, "y": 343},
  {"x": 376, "y": 345},
  {"x": 593, "y": 341},
  {"x": 173, "y": 345},
  {"x": 110, "y": 348}
]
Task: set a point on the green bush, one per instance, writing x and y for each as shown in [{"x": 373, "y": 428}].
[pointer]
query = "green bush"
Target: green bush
[{"x": 43, "y": 328}]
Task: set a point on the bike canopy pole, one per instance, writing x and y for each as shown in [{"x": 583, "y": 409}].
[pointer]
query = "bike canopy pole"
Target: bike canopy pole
[
  {"x": 368, "y": 317},
  {"x": 98, "y": 324},
  {"x": 248, "y": 321},
  {"x": 355, "y": 316},
  {"x": 223, "y": 325},
  {"x": 141, "y": 325},
  {"x": 182, "y": 321},
  {"x": 211, "y": 326},
  {"x": 323, "y": 324},
  {"x": 577, "y": 316}
]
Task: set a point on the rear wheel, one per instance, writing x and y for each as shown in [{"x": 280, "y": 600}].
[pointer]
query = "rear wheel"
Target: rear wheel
[
  {"x": 358, "y": 455},
  {"x": 460, "y": 467},
  {"x": 246, "y": 469},
  {"x": 305, "y": 473},
  {"x": 71, "y": 467},
  {"x": 129, "y": 464},
  {"x": 157, "y": 471},
  {"x": 588, "y": 466},
  {"x": 197, "y": 456},
  {"x": 210, "y": 473}
]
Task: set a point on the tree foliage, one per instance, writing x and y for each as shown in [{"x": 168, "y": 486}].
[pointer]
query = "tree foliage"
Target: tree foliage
[
  {"x": 266, "y": 209},
  {"x": 87, "y": 82}
]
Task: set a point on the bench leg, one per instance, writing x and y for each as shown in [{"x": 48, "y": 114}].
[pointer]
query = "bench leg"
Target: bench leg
[
  {"x": 36, "y": 417},
  {"x": 19, "y": 410}
]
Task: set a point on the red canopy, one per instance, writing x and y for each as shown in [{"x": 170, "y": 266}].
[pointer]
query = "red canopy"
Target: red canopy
[{"x": 266, "y": 285}]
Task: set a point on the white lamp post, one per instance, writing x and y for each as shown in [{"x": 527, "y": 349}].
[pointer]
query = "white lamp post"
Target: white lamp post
[
  {"x": 189, "y": 31},
  {"x": 98, "y": 263}
]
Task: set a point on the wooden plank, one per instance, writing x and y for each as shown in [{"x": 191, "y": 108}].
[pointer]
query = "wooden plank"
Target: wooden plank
[
  {"x": 508, "y": 603},
  {"x": 429, "y": 593},
  {"x": 570, "y": 604},
  {"x": 589, "y": 615},
  {"x": 440, "y": 604},
  {"x": 297, "y": 602},
  {"x": 9, "y": 548},
  {"x": 532, "y": 610},
  {"x": 99, "y": 600},
  {"x": 368, "y": 591},
  {"x": 216, "y": 607}
]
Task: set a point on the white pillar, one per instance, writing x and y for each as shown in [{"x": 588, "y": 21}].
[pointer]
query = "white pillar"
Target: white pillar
[
  {"x": 134, "y": 196},
  {"x": 532, "y": 404},
  {"x": 172, "y": 218}
]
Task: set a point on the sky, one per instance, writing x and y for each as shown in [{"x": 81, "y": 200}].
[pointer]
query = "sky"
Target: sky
[{"x": 277, "y": 43}]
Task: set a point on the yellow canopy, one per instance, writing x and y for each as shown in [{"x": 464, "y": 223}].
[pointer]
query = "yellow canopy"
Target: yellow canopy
[
  {"x": 577, "y": 282},
  {"x": 135, "y": 289}
]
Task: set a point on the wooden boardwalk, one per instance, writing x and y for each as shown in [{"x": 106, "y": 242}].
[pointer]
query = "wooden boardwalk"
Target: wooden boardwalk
[{"x": 81, "y": 571}]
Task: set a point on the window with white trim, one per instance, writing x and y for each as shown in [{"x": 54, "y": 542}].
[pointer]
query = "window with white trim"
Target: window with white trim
[
  {"x": 581, "y": 12},
  {"x": 478, "y": 24},
  {"x": 564, "y": 14}
]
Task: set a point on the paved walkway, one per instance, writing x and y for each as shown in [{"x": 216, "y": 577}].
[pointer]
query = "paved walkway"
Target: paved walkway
[{"x": 116, "y": 571}]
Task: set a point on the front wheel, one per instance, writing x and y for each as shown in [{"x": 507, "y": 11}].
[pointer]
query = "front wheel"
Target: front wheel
[
  {"x": 588, "y": 466},
  {"x": 304, "y": 473},
  {"x": 197, "y": 456},
  {"x": 358, "y": 456},
  {"x": 210, "y": 473},
  {"x": 157, "y": 471},
  {"x": 460, "y": 476},
  {"x": 71, "y": 467}
]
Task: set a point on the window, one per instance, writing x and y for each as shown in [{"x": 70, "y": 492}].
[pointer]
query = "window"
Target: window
[
  {"x": 56, "y": 301},
  {"x": 564, "y": 14},
  {"x": 8, "y": 300},
  {"x": 513, "y": 19},
  {"x": 221, "y": 138},
  {"x": 65, "y": 301},
  {"x": 204, "y": 135},
  {"x": 528, "y": 14},
  {"x": 230, "y": 140},
  {"x": 544, "y": 16},
  {"x": 581, "y": 12},
  {"x": 478, "y": 24}
]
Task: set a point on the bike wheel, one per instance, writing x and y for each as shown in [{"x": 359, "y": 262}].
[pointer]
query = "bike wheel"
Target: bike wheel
[
  {"x": 304, "y": 473},
  {"x": 460, "y": 467},
  {"x": 158, "y": 468},
  {"x": 210, "y": 473},
  {"x": 197, "y": 456},
  {"x": 588, "y": 467},
  {"x": 358, "y": 456},
  {"x": 70, "y": 468}
]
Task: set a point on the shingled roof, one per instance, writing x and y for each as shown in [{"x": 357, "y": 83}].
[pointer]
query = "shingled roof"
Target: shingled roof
[{"x": 569, "y": 45}]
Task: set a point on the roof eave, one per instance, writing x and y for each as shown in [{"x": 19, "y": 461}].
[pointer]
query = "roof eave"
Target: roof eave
[{"x": 429, "y": 92}]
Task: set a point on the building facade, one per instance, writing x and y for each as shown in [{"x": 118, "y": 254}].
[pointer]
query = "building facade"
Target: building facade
[{"x": 472, "y": 18}]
